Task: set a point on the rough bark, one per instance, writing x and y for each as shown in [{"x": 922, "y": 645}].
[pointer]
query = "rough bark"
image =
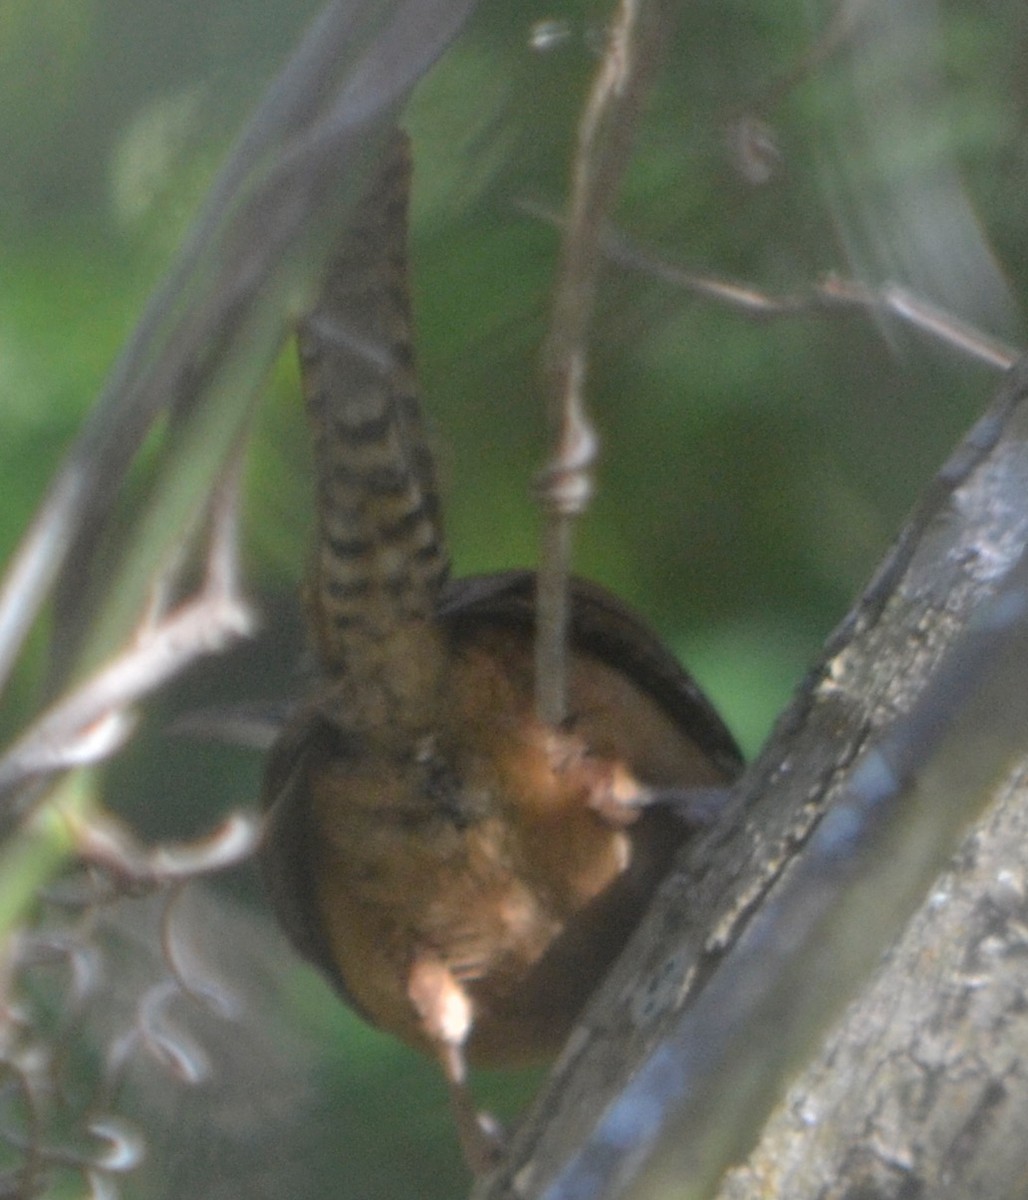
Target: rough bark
[
  {"x": 917, "y": 1087},
  {"x": 922, "y": 1089}
]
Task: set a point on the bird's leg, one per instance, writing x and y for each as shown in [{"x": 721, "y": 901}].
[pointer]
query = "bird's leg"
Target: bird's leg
[
  {"x": 446, "y": 1016},
  {"x": 696, "y": 807}
]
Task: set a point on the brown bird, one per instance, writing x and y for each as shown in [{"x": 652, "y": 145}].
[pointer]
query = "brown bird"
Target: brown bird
[{"x": 462, "y": 872}]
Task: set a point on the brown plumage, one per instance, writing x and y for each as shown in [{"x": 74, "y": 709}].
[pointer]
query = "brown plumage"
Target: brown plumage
[{"x": 463, "y": 873}]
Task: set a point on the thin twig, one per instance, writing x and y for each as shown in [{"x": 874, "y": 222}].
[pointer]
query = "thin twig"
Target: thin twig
[
  {"x": 92, "y": 721},
  {"x": 831, "y": 294},
  {"x": 201, "y": 988},
  {"x": 89, "y": 722},
  {"x": 749, "y": 137},
  {"x": 838, "y": 30},
  {"x": 107, "y": 843},
  {"x": 35, "y": 566},
  {"x": 604, "y": 142}
]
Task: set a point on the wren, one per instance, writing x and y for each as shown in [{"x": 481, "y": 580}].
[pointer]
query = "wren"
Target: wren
[{"x": 463, "y": 873}]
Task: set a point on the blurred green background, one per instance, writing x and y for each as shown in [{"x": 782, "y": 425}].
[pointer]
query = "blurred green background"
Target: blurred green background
[{"x": 752, "y": 473}]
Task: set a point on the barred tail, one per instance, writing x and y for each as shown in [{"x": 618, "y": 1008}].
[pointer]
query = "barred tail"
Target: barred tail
[{"x": 380, "y": 558}]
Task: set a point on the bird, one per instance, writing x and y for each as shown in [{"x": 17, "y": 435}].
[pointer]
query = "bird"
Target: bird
[{"x": 463, "y": 872}]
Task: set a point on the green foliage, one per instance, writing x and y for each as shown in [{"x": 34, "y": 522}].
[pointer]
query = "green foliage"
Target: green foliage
[{"x": 751, "y": 474}]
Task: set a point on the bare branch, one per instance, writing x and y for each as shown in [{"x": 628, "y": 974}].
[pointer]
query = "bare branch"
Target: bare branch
[
  {"x": 604, "y": 143},
  {"x": 105, "y": 842},
  {"x": 92, "y": 722},
  {"x": 831, "y": 295},
  {"x": 89, "y": 723}
]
